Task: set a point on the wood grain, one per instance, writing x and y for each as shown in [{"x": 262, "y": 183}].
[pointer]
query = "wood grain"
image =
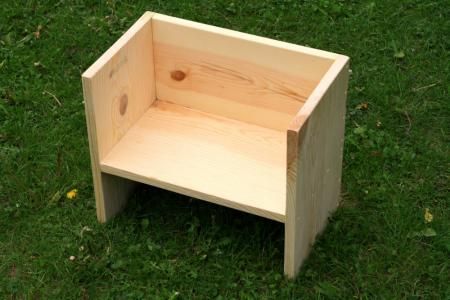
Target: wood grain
[
  {"x": 205, "y": 156},
  {"x": 225, "y": 73},
  {"x": 276, "y": 55},
  {"x": 314, "y": 166},
  {"x": 118, "y": 88}
]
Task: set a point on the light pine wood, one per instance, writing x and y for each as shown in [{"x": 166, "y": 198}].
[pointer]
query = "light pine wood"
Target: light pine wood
[
  {"x": 120, "y": 85},
  {"x": 118, "y": 88},
  {"x": 234, "y": 119},
  {"x": 314, "y": 163},
  {"x": 235, "y": 75},
  {"x": 289, "y": 58},
  {"x": 205, "y": 156}
]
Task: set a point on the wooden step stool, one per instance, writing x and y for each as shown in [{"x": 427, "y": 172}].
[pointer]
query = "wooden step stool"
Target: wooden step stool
[{"x": 230, "y": 118}]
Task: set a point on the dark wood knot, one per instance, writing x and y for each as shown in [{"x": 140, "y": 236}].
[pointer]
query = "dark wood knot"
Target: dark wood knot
[
  {"x": 123, "y": 104},
  {"x": 177, "y": 75}
]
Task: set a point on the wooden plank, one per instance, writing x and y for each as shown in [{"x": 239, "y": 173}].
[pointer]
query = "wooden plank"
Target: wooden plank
[
  {"x": 118, "y": 88},
  {"x": 314, "y": 154},
  {"x": 228, "y": 73},
  {"x": 205, "y": 156},
  {"x": 290, "y": 58},
  {"x": 120, "y": 84}
]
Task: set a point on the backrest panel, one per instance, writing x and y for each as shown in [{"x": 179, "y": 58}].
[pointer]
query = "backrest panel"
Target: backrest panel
[{"x": 236, "y": 75}]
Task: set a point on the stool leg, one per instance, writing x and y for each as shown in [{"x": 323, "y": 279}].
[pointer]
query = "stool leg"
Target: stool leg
[
  {"x": 314, "y": 167},
  {"x": 118, "y": 89},
  {"x": 111, "y": 195},
  {"x": 299, "y": 227}
]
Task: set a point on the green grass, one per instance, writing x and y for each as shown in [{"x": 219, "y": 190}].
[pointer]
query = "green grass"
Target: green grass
[{"x": 167, "y": 246}]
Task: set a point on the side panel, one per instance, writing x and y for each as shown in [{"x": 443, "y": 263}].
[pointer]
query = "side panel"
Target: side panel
[
  {"x": 314, "y": 169},
  {"x": 118, "y": 88}
]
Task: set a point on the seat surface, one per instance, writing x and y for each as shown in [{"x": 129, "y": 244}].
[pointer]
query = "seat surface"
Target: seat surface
[{"x": 216, "y": 159}]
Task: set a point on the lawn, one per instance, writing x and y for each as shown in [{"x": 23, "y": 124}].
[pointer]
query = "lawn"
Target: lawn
[{"x": 379, "y": 244}]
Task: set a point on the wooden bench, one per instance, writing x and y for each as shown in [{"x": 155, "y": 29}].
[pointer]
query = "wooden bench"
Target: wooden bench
[{"x": 231, "y": 118}]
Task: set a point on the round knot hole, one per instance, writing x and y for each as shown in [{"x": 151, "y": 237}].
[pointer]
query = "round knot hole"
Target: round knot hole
[
  {"x": 123, "y": 104},
  {"x": 177, "y": 75}
]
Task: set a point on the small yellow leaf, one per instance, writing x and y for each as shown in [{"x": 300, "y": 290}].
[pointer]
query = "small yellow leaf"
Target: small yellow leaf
[
  {"x": 428, "y": 216},
  {"x": 72, "y": 194}
]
